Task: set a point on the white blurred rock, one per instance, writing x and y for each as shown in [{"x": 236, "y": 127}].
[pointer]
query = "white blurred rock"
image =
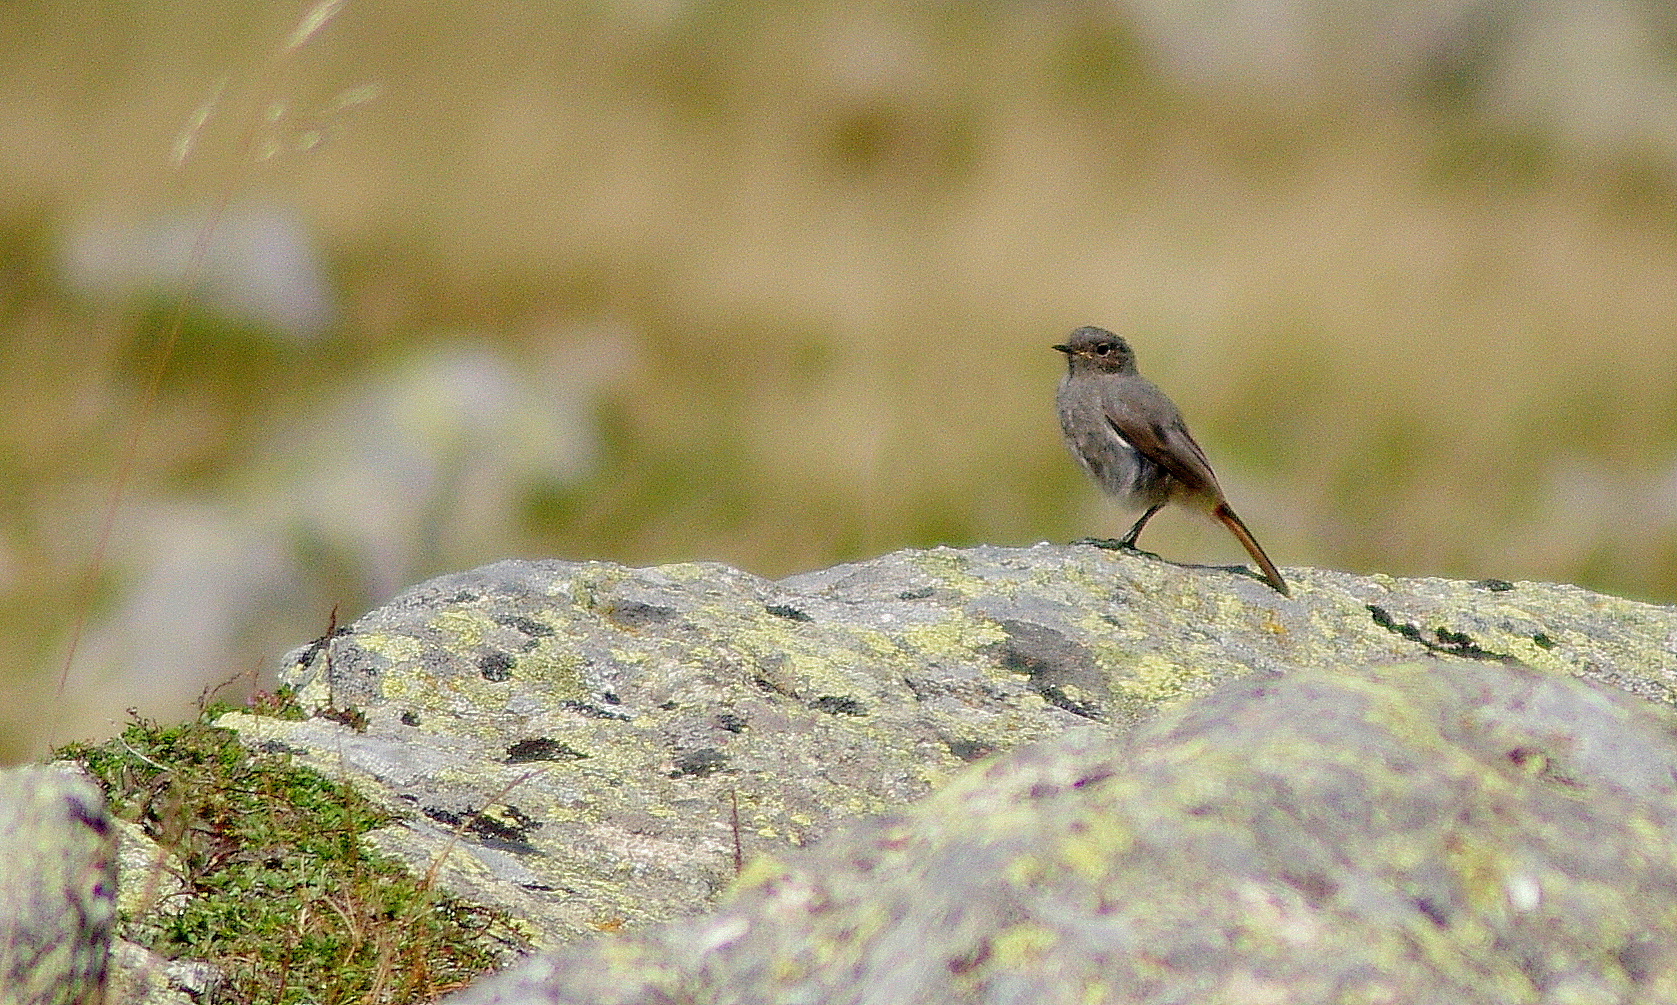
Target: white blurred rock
[
  {"x": 417, "y": 470},
  {"x": 258, "y": 265}
]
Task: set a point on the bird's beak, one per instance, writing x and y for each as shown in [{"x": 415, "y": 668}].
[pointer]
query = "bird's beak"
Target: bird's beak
[{"x": 1061, "y": 348}]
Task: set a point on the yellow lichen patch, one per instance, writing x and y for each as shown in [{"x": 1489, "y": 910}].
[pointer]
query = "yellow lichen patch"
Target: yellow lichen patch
[
  {"x": 394, "y": 647},
  {"x": 877, "y": 642},
  {"x": 954, "y": 637},
  {"x": 689, "y": 572},
  {"x": 1024, "y": 870},
  {"x": 629, "y": 657},
  {"x": 1151, "y": 677},
  {"x": 1091, "y": 845},
  {"x": 762, "y": 870},
  {"x": 468, "y": 629},
  {"x": 410, "y": 689},
  {"x": 1538, "y": 657},
  {"x": 1022, "y": 945},
  {"x": 1482, "y": 869},
  {"x": 561, "y": 671}
]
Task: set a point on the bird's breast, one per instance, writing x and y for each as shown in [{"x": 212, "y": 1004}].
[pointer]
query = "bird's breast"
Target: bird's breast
[{"x": 1115, "y": 464}]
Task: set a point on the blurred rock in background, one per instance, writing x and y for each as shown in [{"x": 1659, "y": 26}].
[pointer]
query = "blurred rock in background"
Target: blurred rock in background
[
  {"x": 253, "y": 266},
  {"x": 408, "y": 476},
  {"x": 774, "y": 286}
]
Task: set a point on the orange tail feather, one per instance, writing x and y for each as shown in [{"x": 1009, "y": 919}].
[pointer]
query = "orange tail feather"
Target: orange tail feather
[{"x": 1250, "y": 543}]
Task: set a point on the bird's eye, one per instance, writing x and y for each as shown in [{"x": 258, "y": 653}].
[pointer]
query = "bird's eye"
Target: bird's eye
[{"x": 1103, "y": 348}]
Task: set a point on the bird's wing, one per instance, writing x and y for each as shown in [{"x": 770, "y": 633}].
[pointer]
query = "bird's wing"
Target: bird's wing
[{"x": 1158, "y": 433}]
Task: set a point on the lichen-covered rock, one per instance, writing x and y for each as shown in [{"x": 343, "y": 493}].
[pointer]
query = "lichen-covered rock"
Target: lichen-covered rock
[
  {"x": 1444, "y": 831},
  {"x": 570, "y": 740},
  {"x": 58, "y": 885}
]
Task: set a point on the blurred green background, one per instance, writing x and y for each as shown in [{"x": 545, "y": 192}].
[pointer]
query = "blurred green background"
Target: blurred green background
[{"x": 773, "y": 285}]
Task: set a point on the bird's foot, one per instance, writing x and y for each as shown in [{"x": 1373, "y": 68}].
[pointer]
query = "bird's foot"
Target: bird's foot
[{"x": 1114, "y": 544}]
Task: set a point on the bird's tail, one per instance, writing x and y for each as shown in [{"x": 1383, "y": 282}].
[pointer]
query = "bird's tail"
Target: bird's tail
[{"x": 1250, "y": 543}]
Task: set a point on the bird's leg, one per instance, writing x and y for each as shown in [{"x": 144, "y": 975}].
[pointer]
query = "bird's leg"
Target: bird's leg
[{"x": 1127, "y": 542}]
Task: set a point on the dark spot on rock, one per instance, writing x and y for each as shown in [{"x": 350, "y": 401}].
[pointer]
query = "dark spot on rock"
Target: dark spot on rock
[
  {"x": 1093, "y": 778},
  {"x": 1449, "y": 642},
  {"x": 410, "y": 718},
  {"x": 542, "y": 748},
  {"x": 528, "y": 626},
  {"x": 1015, "y": 661},
  {"x": 699, "y": 763},
  {"x": 1640, "y": 957},
  {"x": 636, "y": 614},
  {"x": 1315, "y": 887},
  {"x": 496, "y": 667},
  {"x": 918, "y": 593},
  {"x": 1434, "y": 912},
  {"x": 1494, "y": 585},
  {"x": 279, "y": 747},
  {"x": 1462, "y": 644},
  {"x": 610, "y": 698},
  {"x": 835, "y": 704},
  {"x": 462, "y": 597},
  {"x": 591, "y": 711},
  {"x": 88, "y": 816},
  {"x": 730, "y": 722},
  {"x": 349, "y": 716},
  {"x": 1060, "y": 699},
  {"x": 1053, "y": 664},
  {"x": 317, "y": 645},
  {"x": 1385, "y": 620},
  {"x": 970, "y": 750},
  {"x": 764, "y": 684},
  {"x": 510, "y": 834},
  {"x": 789, "y": 613},
  {"x": 441, "y": 815},
  {"x": 1543, "y": 640},
  {"x": 972, "y": 959}
]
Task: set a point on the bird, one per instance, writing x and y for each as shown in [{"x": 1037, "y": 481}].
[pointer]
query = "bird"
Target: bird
[{"x": 1132, "y": 440}]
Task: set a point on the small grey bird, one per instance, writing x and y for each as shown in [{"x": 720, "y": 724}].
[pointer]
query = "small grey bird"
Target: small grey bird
[{"x": 1132, "y": 439}]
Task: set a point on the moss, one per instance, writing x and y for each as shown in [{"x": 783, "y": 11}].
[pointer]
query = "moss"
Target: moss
[{"x": 280, "y": 892}]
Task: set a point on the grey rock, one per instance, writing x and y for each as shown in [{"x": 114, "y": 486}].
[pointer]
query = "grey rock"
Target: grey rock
[
  {"x": 58, "y": 886},
  {"x": 256, "y": 265},
  {"x": 1442, "y": 831},
  {"x": 569, "y": 740},
  {"x": 358, "y": 495},
  {"x": 150, "y": 895},
  {"x": 142, "y": 977}
]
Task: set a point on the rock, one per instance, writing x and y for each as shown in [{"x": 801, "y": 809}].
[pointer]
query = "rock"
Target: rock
[
  {"x": 569, "y": 740},
  {"x": 141, "y": 977},
  {"x": 1450, "y": 830},
  {"x": 58, "y": 885},
  {"x": 150, "y": 895},
  {"x": 389, "y": 475}
]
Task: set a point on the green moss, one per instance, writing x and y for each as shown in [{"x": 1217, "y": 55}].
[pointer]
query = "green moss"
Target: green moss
[{"x": 281, "y": 893}]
